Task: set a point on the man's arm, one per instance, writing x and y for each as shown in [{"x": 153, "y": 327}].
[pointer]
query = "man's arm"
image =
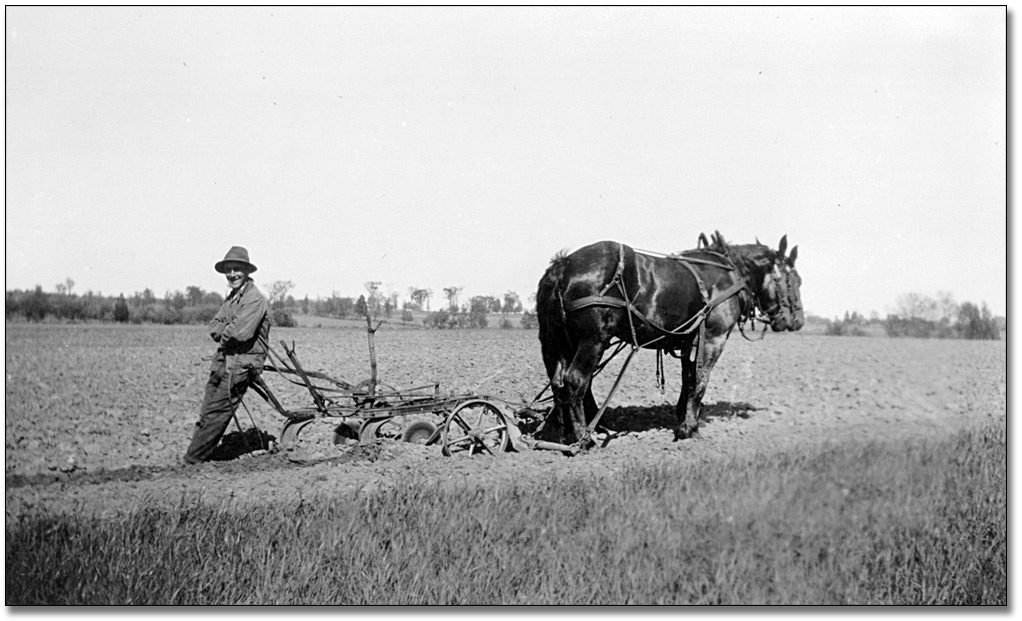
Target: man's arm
[
  {"x": 219, "y": 321},
  {"x": 252, "y": 308}
]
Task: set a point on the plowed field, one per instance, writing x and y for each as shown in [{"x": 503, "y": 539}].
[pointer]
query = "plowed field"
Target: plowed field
[{"x": 97, "y": 417}]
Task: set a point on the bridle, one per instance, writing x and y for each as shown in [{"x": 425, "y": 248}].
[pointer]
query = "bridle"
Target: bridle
[
  {"x": 748, "y": 297},
  {"x": 784, "y": 300},
  {"x": 794, "y": 303}
]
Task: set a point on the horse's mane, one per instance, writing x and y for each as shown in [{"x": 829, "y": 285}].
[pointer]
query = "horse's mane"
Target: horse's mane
[{"x": 560, "y": 256}]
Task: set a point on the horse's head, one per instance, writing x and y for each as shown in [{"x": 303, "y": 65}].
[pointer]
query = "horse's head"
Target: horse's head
[
  {"x": 778, "y": 294},
  {"x": 790, "y": 284},
  {"x": 793, "y": 289}
]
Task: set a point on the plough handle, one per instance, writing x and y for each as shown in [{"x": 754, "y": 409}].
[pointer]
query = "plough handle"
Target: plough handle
[{"x": 318, "y": 398}]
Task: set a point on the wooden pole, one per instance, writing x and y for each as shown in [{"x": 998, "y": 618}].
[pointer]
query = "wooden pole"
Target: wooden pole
[{"x": 372, "y": 354}]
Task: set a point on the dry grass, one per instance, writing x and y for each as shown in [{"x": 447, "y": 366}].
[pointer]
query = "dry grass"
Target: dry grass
[{"x": 871, "y": 523}]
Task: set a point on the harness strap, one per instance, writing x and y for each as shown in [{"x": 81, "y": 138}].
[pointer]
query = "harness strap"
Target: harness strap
[
  {"x": 683, "y": 256},
  {"x": 692, "y": 324},
  {"x": 686, "y": 259}
]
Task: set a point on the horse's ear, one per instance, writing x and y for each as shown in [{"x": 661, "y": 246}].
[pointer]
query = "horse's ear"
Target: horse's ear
[
  {"x": 782, "y": 246},
  {"x": 793, "y": 256},
  {"x": 758, "y": 243}
]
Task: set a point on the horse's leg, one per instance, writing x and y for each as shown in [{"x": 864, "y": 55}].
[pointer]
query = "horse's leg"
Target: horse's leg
[
  {"x": 589, "y": 403},
  {"x": 688, "y": 422},
  {"x": 694, "y": 380},
  {"x": 711, "y": 353},
  {"x": 557, "y": 421},
  {"x": 575, "y": 381}
]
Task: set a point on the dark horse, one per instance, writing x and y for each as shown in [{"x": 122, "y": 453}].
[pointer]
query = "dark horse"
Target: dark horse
[{"x": 685, "y": 304}]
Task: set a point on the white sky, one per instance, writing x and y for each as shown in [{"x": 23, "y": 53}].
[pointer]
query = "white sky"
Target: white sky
[{"x": 433, "y": 147}]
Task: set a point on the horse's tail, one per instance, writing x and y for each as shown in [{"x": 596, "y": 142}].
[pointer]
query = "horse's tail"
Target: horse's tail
[{"x": 550, "y": 313}]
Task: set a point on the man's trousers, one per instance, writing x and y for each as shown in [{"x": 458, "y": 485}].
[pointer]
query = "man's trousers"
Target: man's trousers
[{"x": 224, "y": 391}]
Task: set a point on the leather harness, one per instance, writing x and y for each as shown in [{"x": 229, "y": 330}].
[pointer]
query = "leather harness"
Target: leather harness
[{"x": 696, "y": 322}]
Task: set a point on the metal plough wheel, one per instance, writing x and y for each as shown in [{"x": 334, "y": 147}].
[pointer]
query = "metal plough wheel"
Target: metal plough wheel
[{"x": 475, "y": 427}]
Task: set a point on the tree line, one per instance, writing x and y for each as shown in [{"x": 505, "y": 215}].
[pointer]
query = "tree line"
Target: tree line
[
  {"x": 920, "y": 316},
  {"x": 915, "y": 315},
  {"x": 196, "y": 306}
]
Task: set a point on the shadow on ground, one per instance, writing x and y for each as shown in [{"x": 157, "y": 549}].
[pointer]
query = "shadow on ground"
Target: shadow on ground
[
  {"x": 637, "y": 418},
  {"x": 237, "y": 444},
  {"x": 226, "y": 459}
]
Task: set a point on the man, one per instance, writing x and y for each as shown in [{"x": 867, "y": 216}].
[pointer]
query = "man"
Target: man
[{"x": 242, "y": 329}]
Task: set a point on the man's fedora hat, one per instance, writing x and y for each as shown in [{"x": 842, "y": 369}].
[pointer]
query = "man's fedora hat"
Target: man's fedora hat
[{"x": 236, "y": 254}]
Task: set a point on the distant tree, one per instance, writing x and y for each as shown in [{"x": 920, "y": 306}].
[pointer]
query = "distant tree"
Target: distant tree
[
  {"x": 121, "y": 313},
  {"x": 420, "y": 297},
  {"x": 915, "y": 305},
  {"x": 439, "y": 320},
  {"x": 278, "y": 291},
  {"x": 919, "y": 316},
  {"x": 851, "y": 325},
  {"x": 305, "y": 305},
  {"x": 451, "y": 293},
  {"x": 12, "y": 304},
  {"x": 346, "y": 307},
  {"x": 97, "y": 308},
  {"x": 945, "y": 308},
  {"x": 64, "y": 288},
  {"x": 361, "y": 308},
  {"x": 912, "y": 327},
  {"x": 977, "y": 323},
  {"x": 281, "y": 317},
  {"x": 36, "y": 305},
  {"x": 194, "y": 295},
  {"x": 212, "y": 299},
  {"x": 529, "y": 320},
  {"x": 479, "y": 306},
  {"x": 177, "y": 301},
  {"x": 375, "y": 301},
  {"x": 512, "y": 303}
]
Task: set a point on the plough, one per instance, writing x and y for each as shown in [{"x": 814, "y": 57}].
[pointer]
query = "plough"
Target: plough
[{"x": 463, "y": 424}]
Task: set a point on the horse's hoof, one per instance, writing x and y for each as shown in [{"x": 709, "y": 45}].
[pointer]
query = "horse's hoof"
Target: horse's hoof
[{"x": 686, "y": 434}]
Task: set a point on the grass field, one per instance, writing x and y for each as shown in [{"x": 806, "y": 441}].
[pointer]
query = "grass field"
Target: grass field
[{"x": 914, "y": 522}]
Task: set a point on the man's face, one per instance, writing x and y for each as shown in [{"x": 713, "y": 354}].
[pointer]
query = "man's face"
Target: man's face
[{"x": 236, "y": 273}]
